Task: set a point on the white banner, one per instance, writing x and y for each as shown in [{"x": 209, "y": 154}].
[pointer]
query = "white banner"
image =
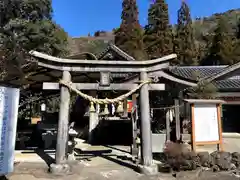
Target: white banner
[{"x": 9, "y": 101}]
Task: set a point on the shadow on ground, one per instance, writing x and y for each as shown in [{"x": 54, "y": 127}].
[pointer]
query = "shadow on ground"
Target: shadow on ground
[
  {"x": 43, "y": 155},
  {"x": 118, "y": 159},
  {"x": 47, "y": 158}
]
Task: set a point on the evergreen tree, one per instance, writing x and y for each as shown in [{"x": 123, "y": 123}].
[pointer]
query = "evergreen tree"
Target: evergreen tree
[
  {"x": 129, "y": 36},
  {"x": 221, "y": 49},
  {"x": 236, "y": 46},
  {"x": 158, "y": 34},
  {"x": 184, "y": 42},
  {"x": 27, "y": 25},
  {"x": 238, "y": 29}
]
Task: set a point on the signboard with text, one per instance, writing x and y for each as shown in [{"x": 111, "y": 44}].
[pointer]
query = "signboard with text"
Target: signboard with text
[
  {"x": 9, "y": 101},
  {"x": 206, "y": 122}
]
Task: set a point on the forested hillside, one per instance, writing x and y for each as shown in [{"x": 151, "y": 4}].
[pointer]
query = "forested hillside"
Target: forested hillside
[
  {"x": 203, "y": 29},
  {"x": 208, "y": 24}
]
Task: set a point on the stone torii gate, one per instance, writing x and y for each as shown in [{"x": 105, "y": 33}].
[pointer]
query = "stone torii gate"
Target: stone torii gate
[{"x": 103, "y": 67}]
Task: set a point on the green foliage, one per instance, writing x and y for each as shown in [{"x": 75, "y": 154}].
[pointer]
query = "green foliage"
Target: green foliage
[
  {"x": 97, "y": 46},
  {"x": 129, "y": 37},
  {"x": 158, "y": 34},
  {"x": 204, "y": 31},
  {"x": 184, "y": 41},
  {"x": 222, "y": 46},
  {"x": 204, "y": 89},
  {"x": 207, "y": 25},
  {"x": 236, "y": 45},
  {"x": 238, "y": 30},
  {"x": 27, "y": 25}
]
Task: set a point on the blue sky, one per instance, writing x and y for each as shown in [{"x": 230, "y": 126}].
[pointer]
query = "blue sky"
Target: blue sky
[{"x": 81, "y": 17}]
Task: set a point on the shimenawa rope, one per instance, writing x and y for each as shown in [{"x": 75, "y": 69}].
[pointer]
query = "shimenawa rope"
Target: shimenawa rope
[{"x": 102, "y": 101}]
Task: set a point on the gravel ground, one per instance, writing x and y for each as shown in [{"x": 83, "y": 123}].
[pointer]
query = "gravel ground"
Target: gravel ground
[{"x": 98, "y": 168}]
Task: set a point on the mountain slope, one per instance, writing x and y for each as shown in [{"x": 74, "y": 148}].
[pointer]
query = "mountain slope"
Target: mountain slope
[
  {"x": 202, "y": 27},
  {"x": 207, "y": 25}
]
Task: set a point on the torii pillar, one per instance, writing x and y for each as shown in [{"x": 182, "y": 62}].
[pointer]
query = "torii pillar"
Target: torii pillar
[
  {"x": 60, "y": 166},
  {"x": 146, "y": 132}
]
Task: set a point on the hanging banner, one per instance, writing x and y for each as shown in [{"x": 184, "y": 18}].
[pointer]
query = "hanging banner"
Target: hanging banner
[
  {"x": 9, "y": 102},
  {"x": 129, "y": 106}
]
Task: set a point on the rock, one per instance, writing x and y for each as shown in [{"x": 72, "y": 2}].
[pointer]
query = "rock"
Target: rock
[
  {"x": 236, "y": 174},
  {"x": 233, "y": 166},
  {"x": 180, "y": 157},
  {"x": 215, "y": 168},
  {"x": 190, "y": 161},
  {"x": 59, "y": 169},
  {"x": 223, "y": 160},
  {"x": 236, "y": 159},
  {"x": 164, "y": 168},
  {"x": 205, "y": 159}
]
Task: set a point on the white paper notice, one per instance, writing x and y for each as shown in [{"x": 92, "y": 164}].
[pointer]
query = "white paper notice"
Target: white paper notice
[
  {"x": 9, "y": 101},
  {"x": 206, "y": 123}
]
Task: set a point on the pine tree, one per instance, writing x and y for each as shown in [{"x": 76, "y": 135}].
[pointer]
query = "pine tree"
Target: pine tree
[
  {"x": 158, "y": 34},
  {"x": 184, "y": 42},
  {"x": 129, "y": 37},
  {"x": 221, "y": 50}
]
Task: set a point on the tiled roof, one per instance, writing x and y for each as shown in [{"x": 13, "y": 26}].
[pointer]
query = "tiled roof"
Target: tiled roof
[
  {"x": 190, "y": 72},
  {"x": 117, "y": 50},
  {"x": 228, "y": 84}
]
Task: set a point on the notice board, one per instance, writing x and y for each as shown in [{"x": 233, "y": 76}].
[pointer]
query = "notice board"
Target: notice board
[{"x": 206, "y": 122}]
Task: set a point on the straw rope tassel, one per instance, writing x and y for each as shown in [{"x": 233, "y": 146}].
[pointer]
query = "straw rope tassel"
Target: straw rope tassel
[
  {"x": 106, "y": 111},
  {"x": 120, "y": 107},
  {"x": 92, "y": 108}
]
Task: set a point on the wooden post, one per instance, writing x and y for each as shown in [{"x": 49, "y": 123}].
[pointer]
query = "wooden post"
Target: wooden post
[
  {"x": 125, "y": 109},
  {"x": 168, "y": 127},
  {"x": 93, "y": 119},
  {"x": 62, "y": 135},
  {"x": 134, "y": 126},
  {"x": 220, "y": 145},
  {"x": 193, "y": 128},
  {"x": 92, "y": 125},
  {"x": 177, "y": 118},
  {"x": 146, "y": 133}
]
